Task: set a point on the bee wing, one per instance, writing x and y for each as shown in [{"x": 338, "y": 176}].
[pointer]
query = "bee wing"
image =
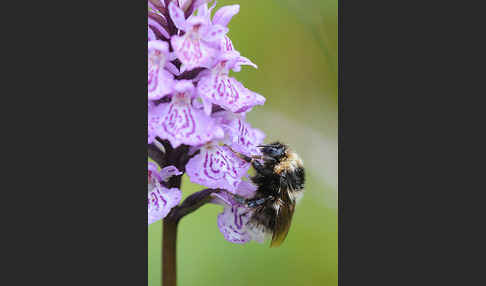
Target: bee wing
[{"x": 283, "y": 220}]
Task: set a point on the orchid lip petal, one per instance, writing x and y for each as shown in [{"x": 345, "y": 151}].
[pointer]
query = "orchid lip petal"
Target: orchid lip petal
[
  {"x": 235, "y": 221},
  {"x": 193, "y": 53},
  {"x": 180, "y": 122},
  {"x": 242, "y": 137},
  {"x": 161, "y": 199},
  {"x": 228, "y": 93},
  {"x": 217, "y": 167}
]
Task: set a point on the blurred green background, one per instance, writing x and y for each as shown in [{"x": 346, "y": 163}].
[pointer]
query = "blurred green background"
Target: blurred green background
[{"x": 294, "y": 44}]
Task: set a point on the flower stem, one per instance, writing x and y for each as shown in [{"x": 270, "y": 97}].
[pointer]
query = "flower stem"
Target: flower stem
[
  {"x": 165, "y": 155},
  {"x": 169, "y": 252}
]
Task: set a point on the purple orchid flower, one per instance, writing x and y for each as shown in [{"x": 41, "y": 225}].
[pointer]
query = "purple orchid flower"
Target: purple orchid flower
[
  {"x": 239, "y": 134},
  {"x": 234, "y": 222},
  {"x": 216, "y": 87},
  {"x": 160, "y": 199},
  {"x": 217, "y": 167},
  {"x": 160, "y": 81},
  {"x": 197, "y": 112},
  {"x": 198, "y": 47},
  {"x": 181, "y": 123}
]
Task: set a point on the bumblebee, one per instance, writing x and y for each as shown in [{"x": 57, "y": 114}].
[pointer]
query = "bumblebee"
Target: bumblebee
[{"x": 280, "y": 180}]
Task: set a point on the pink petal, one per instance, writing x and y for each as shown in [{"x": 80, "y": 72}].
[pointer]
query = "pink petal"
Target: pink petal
[
  {"x": 216, "y": 167},
  {"x": 226, "y": 45},
  {"x": 215, "y": 32},
  {"x": 160, "y": 201},
  {"x": 180, "y": 123},
  {"x": 164, "y": 174},
  {"x": 242, "y": 61},
  {"x": 232, "y": 60},
  {"x": 168, "y": 172},
  {"x": 177, "y": 16},
  {"x": 160, "y": 82},
  {"x": 224, "y": 14},
  {"x": 153, "y": 170},
  {"x": 183, "y": 86},
  {"x": 228, "y": 93},
  {"x": 159, "y": 46},
  {"x": 234, "y": 223},
  {"x": 193, "y": 52},
  {"x": 242, "y": 137}
]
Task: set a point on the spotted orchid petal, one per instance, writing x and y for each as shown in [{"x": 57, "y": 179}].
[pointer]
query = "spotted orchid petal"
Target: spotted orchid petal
[
  {"x": 164, "y": 174},
  {"x": 215, "y": 33},
  {"x": 160, "y": 81},
  {"x": 219, "y": 88},
  {"x": 240, "y": 135},
  {"x": 216, "y": 167},
  {"x": 160, "y": 199},
  {"x": 234, "y": 222},
  {"x": 224, "y": 14},
  {"x": 177, "y": 16},
  {"x": 242, "y": 61},
  {"x": 181, "y": 123},
  {"x": 192, "y": 52},
  {"x": 202, "y": 8},
  {"x": 168, "y": 172},
  {"x": 198, "y": 47},
  {"x": 232, "y": 60},
  {"x": 226, "y": 45}
]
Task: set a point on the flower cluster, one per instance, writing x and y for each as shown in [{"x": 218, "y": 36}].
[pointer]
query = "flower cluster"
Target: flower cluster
[{"x": 193, "y": 101}]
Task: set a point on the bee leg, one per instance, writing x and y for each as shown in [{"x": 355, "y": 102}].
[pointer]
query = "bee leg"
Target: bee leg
[
  {"x": 258, "y": 202},
  {"x": 248, "y": 159},
  {"x": 239, "y": 199}
]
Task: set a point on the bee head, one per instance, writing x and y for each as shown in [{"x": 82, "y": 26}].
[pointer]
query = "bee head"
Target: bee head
[{"x": 275, "y": 150}]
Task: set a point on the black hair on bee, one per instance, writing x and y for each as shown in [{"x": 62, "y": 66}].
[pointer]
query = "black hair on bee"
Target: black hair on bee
[{"x": 280, "y": 180}]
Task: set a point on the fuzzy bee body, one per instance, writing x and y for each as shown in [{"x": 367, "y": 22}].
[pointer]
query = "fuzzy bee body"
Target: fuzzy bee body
[{"x": 280, "y": 180}]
